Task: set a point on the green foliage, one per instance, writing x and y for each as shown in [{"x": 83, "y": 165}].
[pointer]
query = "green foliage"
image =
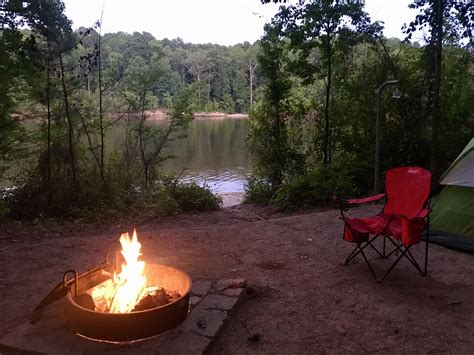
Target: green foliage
[
  {"x": 342, "y": 178},
  {"x": 192, "y": 197},
  {"x": 331, "y": 70},
  {"x": 258, "y": 190}
]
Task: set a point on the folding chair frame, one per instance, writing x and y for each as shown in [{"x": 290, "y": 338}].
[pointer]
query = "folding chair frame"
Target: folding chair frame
[{"x": 398, "y": 248}]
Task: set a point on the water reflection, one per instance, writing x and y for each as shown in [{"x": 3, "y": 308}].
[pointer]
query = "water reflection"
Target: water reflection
[{"x": 214, "y": 152}]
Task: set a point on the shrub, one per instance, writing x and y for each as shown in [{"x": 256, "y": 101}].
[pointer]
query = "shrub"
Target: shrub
[
  {"x": 258, "y": 190},
  {"x": 166, "y": 196},
  {"x": 192, "y": 197},
  {"x": 319, "y": 185}
]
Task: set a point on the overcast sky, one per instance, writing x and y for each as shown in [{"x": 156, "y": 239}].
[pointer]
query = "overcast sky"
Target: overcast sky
[{"x": 225, "y": 22}]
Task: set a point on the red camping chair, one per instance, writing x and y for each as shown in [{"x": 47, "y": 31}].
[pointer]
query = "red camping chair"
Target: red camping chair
[{"x": 401, "y": 221}]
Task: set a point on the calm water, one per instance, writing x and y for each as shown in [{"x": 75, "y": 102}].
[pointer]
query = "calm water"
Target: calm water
[{"x": 214, "y": 152}]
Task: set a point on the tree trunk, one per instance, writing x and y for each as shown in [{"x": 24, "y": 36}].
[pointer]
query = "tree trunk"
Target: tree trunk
[
  {"x": 140, "y": 137},
  {"x": 101, "y": 112},
  {"x": 72, "y": 157},
  {"x": 437, "y": 35},
  {"x": 199, "y": 90},
  {"x": 251, "y": 76},
  {"x": 48, "y": 103},
  {"x": 326, "y": 141}
]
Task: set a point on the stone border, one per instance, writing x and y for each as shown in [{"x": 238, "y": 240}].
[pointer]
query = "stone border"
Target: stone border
[{"x": 211, "y": 306}]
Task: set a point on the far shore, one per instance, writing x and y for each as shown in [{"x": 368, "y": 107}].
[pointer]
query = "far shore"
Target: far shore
[{"x": 160, "y": 114}]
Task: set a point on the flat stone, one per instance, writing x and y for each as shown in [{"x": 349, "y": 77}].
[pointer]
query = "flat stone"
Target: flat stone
[
  {"x": 204, "y": 322},
  {"x": 186, "y": 343},
  {"x": 219, "y": 302},
  {"x": 233, "y": 292},
  {"x": 224, "y": 284},
  {"x": 194, "y": 301},
  {"x": 200, "y": 288}
]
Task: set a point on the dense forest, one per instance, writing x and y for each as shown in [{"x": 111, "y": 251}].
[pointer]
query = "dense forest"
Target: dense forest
[
  {"x": 313, "y": 131},
  {"x": 308, "y": 86}
]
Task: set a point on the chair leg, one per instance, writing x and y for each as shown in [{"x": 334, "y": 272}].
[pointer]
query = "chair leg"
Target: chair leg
[
  {"x": 352, "y": 255},
  {"x": 356, "y": 250},
  {"x": 383, "y": 252},
  {"x": 368, "y": 263},
  {"x": 410, "y": 257},
  {"x": 393, "y": 265},
  {"x": 427, "y": 242},
  {"x": 373, "y": 247}
]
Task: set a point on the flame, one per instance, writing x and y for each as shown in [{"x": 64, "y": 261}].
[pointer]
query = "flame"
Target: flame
[{"x": 121, "y": 293}]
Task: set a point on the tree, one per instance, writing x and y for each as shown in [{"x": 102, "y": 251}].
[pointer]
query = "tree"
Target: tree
[
  {"x": 199, "y": 64},
  {"x": 446, "y": 19},
  {"x": 268, "y": 134},
  {"x": 321, "y": 32},
  {"x": 21, "y": 60}
]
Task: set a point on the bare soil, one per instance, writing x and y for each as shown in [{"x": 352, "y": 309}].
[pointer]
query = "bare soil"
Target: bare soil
[{"x": 303, "y": 301}]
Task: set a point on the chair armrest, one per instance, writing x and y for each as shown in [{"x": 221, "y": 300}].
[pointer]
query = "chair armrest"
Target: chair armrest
[
  {"x": 424, "y": 213},
  {"x": 356, "y": 201},
  {"x": 344, "y": 204}
]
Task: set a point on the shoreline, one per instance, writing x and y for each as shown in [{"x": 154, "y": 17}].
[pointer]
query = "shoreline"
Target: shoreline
[{"x": 160, "y": 115}]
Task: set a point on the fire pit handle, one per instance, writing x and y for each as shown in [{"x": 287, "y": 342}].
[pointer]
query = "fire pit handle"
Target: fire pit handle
[
  {"x": 58, "y": 292},
  {"x": 75, "y": 280},
  {"x": 116, "y": 259}
]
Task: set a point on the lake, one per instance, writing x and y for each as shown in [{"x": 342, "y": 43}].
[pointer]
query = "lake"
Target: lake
[{"x": 214, "y": 152}]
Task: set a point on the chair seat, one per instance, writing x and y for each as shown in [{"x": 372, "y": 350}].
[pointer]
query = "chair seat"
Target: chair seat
[{"x": 408, "y": 231}]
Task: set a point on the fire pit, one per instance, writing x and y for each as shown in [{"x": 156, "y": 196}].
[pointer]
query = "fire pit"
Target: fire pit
[{"x": 126, "y": 302}]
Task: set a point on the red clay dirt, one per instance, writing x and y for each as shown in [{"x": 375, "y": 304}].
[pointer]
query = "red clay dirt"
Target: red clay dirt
[{"x": 305, "y": 301}]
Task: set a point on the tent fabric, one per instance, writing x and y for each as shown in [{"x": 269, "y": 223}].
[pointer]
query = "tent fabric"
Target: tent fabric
[
  {"x": 453, "y": 211},
  {"x": 452, "y": 241},
  {"x": 461, "y": 171},
  {"x": 452, "y": 219}
]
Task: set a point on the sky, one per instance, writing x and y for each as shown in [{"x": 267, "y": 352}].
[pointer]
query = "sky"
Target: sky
[{"x": 225, "y": 22}]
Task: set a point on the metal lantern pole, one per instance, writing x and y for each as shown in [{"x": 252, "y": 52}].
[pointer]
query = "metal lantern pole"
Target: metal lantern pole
[{"x": 377, "y": 134}]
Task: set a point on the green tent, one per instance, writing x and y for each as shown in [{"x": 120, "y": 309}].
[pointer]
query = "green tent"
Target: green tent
[{"x": 452, "y": 219}]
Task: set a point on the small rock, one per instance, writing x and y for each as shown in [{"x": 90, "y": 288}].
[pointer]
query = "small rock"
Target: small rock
[
  {"x": 455, "y": 303},
  {"x": 232, "y": 292},
  {"x": 194, "y": 300},
  {"x": 201, "y": 324}
]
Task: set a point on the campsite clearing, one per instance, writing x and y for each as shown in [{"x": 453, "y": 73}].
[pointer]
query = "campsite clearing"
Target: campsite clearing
[{"x": 305, "y": 301}]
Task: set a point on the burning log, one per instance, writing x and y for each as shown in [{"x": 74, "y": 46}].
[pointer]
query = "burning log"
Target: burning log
[{"x": 156, "y": 299}]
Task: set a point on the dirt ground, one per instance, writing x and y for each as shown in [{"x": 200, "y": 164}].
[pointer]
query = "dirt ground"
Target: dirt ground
[{"x": 305, "y": 301}]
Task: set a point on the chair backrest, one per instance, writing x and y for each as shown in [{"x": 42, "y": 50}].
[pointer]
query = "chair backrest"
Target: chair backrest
[{"x": 408, "y": 189}]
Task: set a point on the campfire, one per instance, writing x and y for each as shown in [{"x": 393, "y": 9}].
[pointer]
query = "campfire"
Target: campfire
[
  {"x": 128, "y": 290},
  {"x": 123, "y": 300}
]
